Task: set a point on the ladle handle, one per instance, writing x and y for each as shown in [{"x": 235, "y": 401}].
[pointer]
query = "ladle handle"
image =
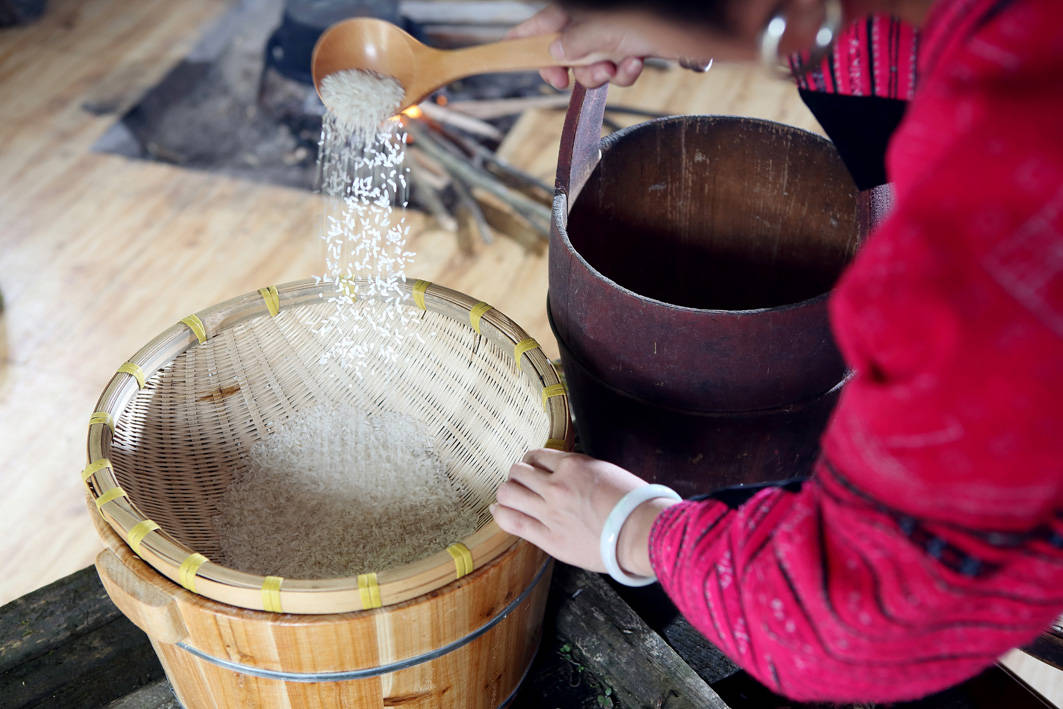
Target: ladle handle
[{"x": 521, "y": 54}]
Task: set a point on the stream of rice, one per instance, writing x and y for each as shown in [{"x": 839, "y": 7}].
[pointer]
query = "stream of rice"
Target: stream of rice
[{"x": 335, "y": 491}]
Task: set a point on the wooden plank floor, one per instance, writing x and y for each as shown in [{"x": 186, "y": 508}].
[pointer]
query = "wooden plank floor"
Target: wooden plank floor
[{"x": 99, "y": 253}]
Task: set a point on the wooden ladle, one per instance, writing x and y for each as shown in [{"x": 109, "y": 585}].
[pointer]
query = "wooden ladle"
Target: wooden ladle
[{"x": 374, "y": 45}]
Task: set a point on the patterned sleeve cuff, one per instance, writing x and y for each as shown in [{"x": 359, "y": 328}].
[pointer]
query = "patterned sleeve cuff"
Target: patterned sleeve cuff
[{"x": 669, "y": 529}]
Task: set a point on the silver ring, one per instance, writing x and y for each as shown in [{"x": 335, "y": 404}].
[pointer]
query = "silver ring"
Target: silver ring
[
  {"x": 772, "y": 34},
  {"x": 770, "y": 37},
  {"x": 699, "y": 65}
]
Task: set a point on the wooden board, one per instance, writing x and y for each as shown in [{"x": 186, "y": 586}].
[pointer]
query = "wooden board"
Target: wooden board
[
  {"x": 67, "y": 645},
  {"x": 1041, "y": 677}
]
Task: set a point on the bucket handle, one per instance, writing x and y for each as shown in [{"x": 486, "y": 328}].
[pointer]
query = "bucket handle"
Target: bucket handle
[
  {"x": 580, "y": 140},
  {"x": 149, "y": 608}
]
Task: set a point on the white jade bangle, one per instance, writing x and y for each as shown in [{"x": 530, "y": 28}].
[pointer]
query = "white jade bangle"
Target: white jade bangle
[{"x": 615, "y": 522}]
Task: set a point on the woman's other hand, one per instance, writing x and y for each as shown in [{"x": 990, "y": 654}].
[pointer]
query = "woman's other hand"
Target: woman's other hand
[
  {"x": 588, "y": 34},
  {"x": 560, "y": 501}
]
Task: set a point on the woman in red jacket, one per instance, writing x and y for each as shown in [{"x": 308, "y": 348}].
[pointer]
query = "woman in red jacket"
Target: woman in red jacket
[{"x": 929, "y": 539}]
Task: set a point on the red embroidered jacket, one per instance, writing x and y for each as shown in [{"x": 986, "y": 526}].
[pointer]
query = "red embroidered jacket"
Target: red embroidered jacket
[{"x": 930, "y": 538}]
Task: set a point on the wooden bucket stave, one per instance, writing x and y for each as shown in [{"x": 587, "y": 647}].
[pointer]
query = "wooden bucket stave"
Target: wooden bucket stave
[{"x": 468, "y": 644}]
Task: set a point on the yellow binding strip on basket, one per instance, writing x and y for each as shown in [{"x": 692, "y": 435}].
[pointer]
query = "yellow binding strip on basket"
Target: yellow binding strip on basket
[
  {"x": 271, "y": 594},
  {"x": 551, "y": 391},
  {"x": 102, "y": 417},
  {"x": 113, "y": 494},
  {"x": 186, "y": 575},
  {"x": 95, "y": 467},
  {"x": 134, "y": 371},
  {"x": 558, "y": 444},
  {"x": 476, "y": 314},
  {"x": 138, "y": 532},
  {"x": 526, "y": 345},
  {"x": 369, "y": 591},
  {"x": 462, "y": 559},
  {"x": 419, "y": 288},
  {"x": 196, "y": 326},
  {"x": 272, "y": 298}
]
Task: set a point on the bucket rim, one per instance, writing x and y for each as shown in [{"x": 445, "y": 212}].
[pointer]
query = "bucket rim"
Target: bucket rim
[{"x": 560, "y": 210}]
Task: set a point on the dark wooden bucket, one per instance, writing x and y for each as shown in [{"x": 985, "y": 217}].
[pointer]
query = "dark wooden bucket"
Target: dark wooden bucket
[{"x": 690, "y": 263}]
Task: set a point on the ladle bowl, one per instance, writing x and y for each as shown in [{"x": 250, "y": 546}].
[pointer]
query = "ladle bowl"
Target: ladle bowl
[{"x": 373, "y": 45}]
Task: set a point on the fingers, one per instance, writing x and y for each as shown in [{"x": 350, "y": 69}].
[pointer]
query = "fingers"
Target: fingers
[
  {"x": 522, "y": 525},
  {"x": 595, "y": 75},
  {"x": 628, "y": 71},
  {"x": 585, "y": 35},
  {"x": 530, "y": 477},
  {"x": 581, "y": 36},
  {"x": 544, "y": 458},
  {"x": 556, "y": 76},
  {"x": 517, "y": 496},
  {"x": 550, "y": 19}
]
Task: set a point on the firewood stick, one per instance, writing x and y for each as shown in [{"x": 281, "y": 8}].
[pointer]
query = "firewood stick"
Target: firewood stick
[
  {"x": 498, "y": 108},
  {"x": 429, "y": 197},
  {"x": 508, "y": 223},
  {"x": 502, "y": 168},
  {"x": 475, "y": 177},
  {"x": 466, "y": 231},
  {"x": 451, "y": 145},
  {"x": 450, "y": 35},
  {"x": 632, "y": 110},
  {"x": 460, "y": 168},
  {"x": 519, "y": 181},
  {"x": 467, "y": 13},
  {"x": 444, "y": 138},
  {"x": 461, "y": 120},
  {"x": 490, "y": 204},
  {"x": 467, "y": 203},
  {"x": 430, "y": 170}
]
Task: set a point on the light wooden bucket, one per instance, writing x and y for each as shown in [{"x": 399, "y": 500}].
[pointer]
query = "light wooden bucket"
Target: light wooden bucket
[{"x": 457, "y": 628}]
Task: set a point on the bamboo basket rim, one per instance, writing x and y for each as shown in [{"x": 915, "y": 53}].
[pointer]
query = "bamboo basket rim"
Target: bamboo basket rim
[{"x": 183, "y": 565}]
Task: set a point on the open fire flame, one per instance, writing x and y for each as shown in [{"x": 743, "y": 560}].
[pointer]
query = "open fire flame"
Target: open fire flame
[{"x": 413, "y": 112}]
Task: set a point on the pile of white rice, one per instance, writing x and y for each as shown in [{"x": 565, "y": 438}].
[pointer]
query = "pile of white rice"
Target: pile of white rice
[
  {"x": 361, "y": 100},
  {"x": 339, "y": 492}
]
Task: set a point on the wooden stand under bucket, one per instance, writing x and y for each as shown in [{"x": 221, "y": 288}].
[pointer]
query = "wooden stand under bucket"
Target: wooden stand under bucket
[{"x": 467, "y": 644}]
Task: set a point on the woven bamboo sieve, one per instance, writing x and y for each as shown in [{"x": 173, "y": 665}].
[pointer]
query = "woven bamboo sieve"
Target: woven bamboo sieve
[{"x": 173, "y": 427}]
